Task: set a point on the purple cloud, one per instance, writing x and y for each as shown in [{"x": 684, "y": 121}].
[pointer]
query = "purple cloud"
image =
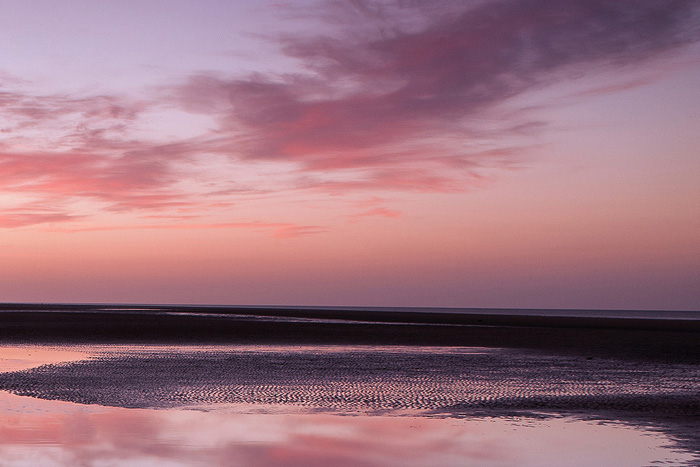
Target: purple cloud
[
  {"x": 23, "y": 218},
  {"x": 368, "y": 101},
  {"x": 386, "y": 100}
]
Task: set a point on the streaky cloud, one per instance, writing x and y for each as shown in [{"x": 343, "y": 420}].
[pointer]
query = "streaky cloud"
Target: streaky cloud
[
  {"x": 375, "y": 212},
  {"x": 388, "y": 99},
  {"x": 366, "y": 101},
  {"x": 276, "y": 229},
  {"x": 23, "y": 218}
]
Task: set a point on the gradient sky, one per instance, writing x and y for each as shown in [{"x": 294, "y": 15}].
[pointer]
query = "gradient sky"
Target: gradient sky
[{"x": 519, "y": 153}]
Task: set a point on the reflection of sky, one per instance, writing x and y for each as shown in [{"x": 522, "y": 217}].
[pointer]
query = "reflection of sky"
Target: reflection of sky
[
  {"x": 49, "y": 433},
  {"x": 54, "y": 433},
  {"x": 15, "y": 358}
]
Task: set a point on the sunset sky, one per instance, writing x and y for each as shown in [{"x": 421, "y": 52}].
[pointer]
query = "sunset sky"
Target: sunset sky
[{"x": 473, "y": 153}]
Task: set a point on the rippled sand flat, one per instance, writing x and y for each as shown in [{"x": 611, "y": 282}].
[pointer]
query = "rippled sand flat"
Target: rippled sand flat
[
  {"x": 457, "y": 383},
  {"x": 103, "y": 374},
  {"x": 364, "y": 379}
]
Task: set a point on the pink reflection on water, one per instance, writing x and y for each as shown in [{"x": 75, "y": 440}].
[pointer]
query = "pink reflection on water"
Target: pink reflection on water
[
  {"x": 53, "y": 433},
  {"x": 48, "y": 433},
  {"x": 22, "y": 357}
]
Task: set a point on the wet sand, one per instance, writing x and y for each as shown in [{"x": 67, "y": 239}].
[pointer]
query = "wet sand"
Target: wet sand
[
  {"x": 366, "y": 379},
  {"x": 464, "y": 383},
  {"x": 451, "y": 364}
]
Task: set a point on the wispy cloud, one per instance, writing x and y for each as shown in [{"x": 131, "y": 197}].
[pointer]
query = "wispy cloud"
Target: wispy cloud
[
  {"x": 276, "y": 229},
  {"x": 61, "y": 120},
  {"x": 60, "y": 149},
  {"x": 23, "y": 218},
  {"x": 390, "y": 98},
  {"x": 122, "y": 182},
  {"x": 367, "y": 101},
  {"x": 375, "y": 212}
]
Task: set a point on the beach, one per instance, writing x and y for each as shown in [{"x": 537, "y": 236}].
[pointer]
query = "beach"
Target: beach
[{"x": 519, "y": 366}]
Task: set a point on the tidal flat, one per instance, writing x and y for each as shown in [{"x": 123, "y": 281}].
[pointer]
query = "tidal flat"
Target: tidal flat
[
  {"x": 117, "y": 385},
  {"x": 368, "y": 405}
]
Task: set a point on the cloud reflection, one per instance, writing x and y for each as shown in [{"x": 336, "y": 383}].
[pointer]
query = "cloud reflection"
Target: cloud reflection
[
  {"x": 55, "y": 433},
  {"x": 59, "y": 434}
]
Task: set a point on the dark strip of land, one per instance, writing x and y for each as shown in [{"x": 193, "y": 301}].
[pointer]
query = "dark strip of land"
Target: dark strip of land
[
  {"x": 600, "y": 319},
  {"x": 676, "y": 340}
]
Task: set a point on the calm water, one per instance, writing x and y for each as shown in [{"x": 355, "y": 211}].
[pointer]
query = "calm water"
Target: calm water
[{"x": 352, "y": 406}]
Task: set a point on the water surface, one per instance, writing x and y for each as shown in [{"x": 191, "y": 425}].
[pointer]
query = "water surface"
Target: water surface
[{"x": 253, "y": 405}]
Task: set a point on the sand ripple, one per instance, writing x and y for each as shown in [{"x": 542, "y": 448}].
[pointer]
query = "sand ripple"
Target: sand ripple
[{"x": 365, "y": 380}]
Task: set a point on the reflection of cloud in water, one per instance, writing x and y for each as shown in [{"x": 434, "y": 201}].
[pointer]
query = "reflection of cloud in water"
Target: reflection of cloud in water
[
  {"x": 117, "y": 436},
  {"x": 22, "y": 357},
  {"x": 261, "y": 407}
]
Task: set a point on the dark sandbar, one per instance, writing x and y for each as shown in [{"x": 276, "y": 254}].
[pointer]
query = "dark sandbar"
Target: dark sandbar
[{"x": 670, "y": 336}]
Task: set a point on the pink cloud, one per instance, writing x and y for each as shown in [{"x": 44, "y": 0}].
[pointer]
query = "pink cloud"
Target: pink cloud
[
  {"x": 375, "y": 212},
  {"x": 386, "y": 102},
  {"x": 86, "y": 155},
  {"x": 21, "y": 218},
  {"x": 277, "y": 229},
  {"x": 397, "y": 179},
  {"x": 60, "y": 149},
  {"x": 123, "y": 182},
  {"x": 368, "y": 100}
]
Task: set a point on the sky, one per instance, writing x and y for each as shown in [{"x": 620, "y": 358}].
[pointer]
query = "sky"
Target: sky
[{"x": 472, "y": 153}]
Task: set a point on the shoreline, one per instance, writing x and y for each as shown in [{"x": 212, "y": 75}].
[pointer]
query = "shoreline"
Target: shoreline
[
  {"x": 672, "y": 340},
  {"x": 573, "y": 318},
  {"x": 594, "y": 374}
]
